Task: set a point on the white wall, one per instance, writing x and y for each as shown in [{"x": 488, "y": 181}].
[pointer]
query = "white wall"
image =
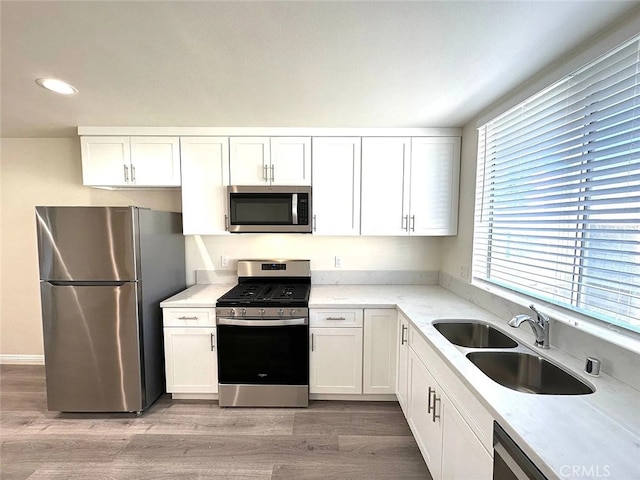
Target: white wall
[
  {"x": 358, "y": 253},
  {"x": 42, "y": 172}
]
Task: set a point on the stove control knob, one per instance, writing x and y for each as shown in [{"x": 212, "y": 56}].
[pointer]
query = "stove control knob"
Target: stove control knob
[
  {"x": 232, "y": 312},
  {"x": 281, "y": 312},
  {"x": 262, "y": 312},
  {"x": 292, "y": 312},
  {"x": 243, "y": 312}
]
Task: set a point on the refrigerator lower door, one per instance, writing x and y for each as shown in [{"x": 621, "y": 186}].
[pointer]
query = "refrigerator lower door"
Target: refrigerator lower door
[{"x": 92, "y": 347}]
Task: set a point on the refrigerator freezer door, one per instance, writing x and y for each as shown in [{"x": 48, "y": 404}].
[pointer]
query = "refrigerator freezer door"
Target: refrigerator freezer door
[
  {"x": 87, "y": 243},
  {"x": 92, "y": 353}
]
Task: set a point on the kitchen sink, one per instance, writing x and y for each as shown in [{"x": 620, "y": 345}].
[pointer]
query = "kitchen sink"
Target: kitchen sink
[
  {"x": 473, "y": 334},
  {"x": 528, "y": 373}
]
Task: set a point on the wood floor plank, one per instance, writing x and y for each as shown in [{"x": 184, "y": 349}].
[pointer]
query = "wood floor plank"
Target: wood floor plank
[
  {"x": 198, "y": 440},
  {"x": 350, "y": 423},
  {"x": 125, "y": 471}
]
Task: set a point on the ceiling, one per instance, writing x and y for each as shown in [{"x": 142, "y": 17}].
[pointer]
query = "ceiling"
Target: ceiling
[{"x": 276, "y": 63}]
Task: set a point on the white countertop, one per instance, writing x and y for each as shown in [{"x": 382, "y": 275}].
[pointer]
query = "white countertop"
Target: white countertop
[{"x": 570, "y": 436}]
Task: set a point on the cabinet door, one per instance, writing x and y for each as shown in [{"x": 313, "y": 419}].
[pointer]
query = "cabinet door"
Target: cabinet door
[
  {"x": 385, "y": 189},
  {"x": 190, "y": 360},
  {"x": 427, "y": 432},
  {"x": 402, "y": 390},
  {"x": 435, "y": 172},
  {"x": 106, "y": 161},
  {"x": 335, "y": 363},
  {"x": 205, "y": 176},
  {"x": 379, "y": 355},
  {"x": 155, "y": 161},
  {"x": 458, "y": 437},
  {"x": 250, "y": 160},
  {"x": 290, "y": 161},
  {"x": 336, "y": 186}
]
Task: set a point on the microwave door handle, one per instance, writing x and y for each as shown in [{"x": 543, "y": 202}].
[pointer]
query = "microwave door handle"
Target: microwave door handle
[{"x": 294, "y": 208}]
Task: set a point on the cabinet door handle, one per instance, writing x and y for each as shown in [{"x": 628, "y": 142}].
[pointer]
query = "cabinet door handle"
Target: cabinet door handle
[
  {"x": 213, "y": 342},
  {"x": 126, "y": 174},
  {"x": 226, "y": 222},
  {"x": 429, "y": 407},
  {"x": 133, "y": 174},
  {"x": 314, "y": 223},
  {"x": 265, "y": 172},
  {"x": 413, "y": 223},
  {"x": 403, "y": 339},
  {"x": 435, "y": 400},
  {"x": 405, "y": 223},
  {"x": 312, "y": 343},
  {"x": 187, "y": 318},
  {"x": 273, "y": 174}
]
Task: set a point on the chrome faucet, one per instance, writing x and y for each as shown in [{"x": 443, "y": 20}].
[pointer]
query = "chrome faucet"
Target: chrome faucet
[{"x": 540, "y": 326}]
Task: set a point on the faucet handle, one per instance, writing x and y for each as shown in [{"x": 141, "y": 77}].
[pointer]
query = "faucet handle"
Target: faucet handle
[{"x": 541, "y": 316}]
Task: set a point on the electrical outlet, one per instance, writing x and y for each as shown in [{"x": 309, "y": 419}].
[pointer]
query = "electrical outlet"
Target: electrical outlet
[
  {"x": 338, "y": 262},
  {"x": 224, "y": 261}
]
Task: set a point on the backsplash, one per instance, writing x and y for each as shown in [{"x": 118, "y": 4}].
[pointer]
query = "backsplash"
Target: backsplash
[
  {"x": 617, "y": 361},
  {"x": 374, "y": 277}
]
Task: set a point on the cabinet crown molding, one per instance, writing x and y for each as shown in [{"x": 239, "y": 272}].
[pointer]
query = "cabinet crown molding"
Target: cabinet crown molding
[{"x": 273, "y": 131}]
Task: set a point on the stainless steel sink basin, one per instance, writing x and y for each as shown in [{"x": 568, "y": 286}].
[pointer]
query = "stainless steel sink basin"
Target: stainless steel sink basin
[
  {"x": 528, "y": 373},
  {"x": 473, "y": 334}
]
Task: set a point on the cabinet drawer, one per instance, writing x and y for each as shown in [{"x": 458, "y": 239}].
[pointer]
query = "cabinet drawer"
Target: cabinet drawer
[
  {"x": 336, "y": 318},
  {"x": 189, "y": 317}
]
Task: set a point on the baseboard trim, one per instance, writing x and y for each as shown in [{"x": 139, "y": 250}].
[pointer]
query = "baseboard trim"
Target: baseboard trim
[{"x": 9, "y": 359}]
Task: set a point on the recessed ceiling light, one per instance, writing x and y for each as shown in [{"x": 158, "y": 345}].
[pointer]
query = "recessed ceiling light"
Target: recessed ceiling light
[{"x": 57, "y": 86}]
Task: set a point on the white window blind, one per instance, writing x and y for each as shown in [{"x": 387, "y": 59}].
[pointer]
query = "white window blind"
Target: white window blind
[{"x": 558, "y": 193}]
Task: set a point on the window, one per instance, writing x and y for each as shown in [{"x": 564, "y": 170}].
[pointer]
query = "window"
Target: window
[{"x": 558, "y": 193}]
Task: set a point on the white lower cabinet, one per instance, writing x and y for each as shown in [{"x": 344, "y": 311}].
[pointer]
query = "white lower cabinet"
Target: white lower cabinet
[
  {"x": 449, "y": 444},
  {"x": 379, "y": 351},
  {"x": 353, "y": 351},
  {"x": 402, "y": 383},
  {"x": 190, "y": 360},
  {"x": 425, "y": 417},
  {"x": 335, "y": 363},
  {"x": 463, "y": 456},
  {"x": 191, "y": 365}
]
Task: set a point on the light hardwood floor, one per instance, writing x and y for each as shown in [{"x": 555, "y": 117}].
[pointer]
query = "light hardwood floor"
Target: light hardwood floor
[{"x": 330, "y": 440}]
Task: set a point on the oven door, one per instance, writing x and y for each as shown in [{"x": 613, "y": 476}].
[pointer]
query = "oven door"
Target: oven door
[{"x": 263, "y": 352}]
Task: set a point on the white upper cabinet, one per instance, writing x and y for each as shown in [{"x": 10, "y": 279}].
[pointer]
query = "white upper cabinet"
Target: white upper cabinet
[
  {"x": 290, "y": 161},
  {"x": 385, "y": 186},
  {"x": 336, "y": 185},
  {"x": 205, "y": 176},
  {"x": 270, "y": 161},
  {"x": 410, "y": 186},
  {"x": 130, "y": 161},
  {"x": 435, "y": 173}
]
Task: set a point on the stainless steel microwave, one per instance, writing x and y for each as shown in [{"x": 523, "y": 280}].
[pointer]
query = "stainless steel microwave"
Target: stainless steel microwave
[{"x": 263, "y": 209}]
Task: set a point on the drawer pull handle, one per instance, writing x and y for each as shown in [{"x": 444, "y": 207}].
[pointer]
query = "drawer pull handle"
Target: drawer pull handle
[
  {"x": 435, "y": 399},
  {"x": 429, "y": 406},
  {"x": 335, "y": 318},
  {"x": 187, "y": 318}
]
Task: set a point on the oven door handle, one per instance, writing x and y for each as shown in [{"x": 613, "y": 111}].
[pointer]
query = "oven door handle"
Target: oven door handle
[{"x": 261, "y": 323}]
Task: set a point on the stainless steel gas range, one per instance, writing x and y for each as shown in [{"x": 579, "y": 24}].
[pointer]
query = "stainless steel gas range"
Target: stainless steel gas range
[{"x": 263, "y": 335}]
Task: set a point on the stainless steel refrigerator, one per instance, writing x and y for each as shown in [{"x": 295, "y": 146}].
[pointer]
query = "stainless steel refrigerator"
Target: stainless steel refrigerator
[{"x": 103, "y": 272}]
